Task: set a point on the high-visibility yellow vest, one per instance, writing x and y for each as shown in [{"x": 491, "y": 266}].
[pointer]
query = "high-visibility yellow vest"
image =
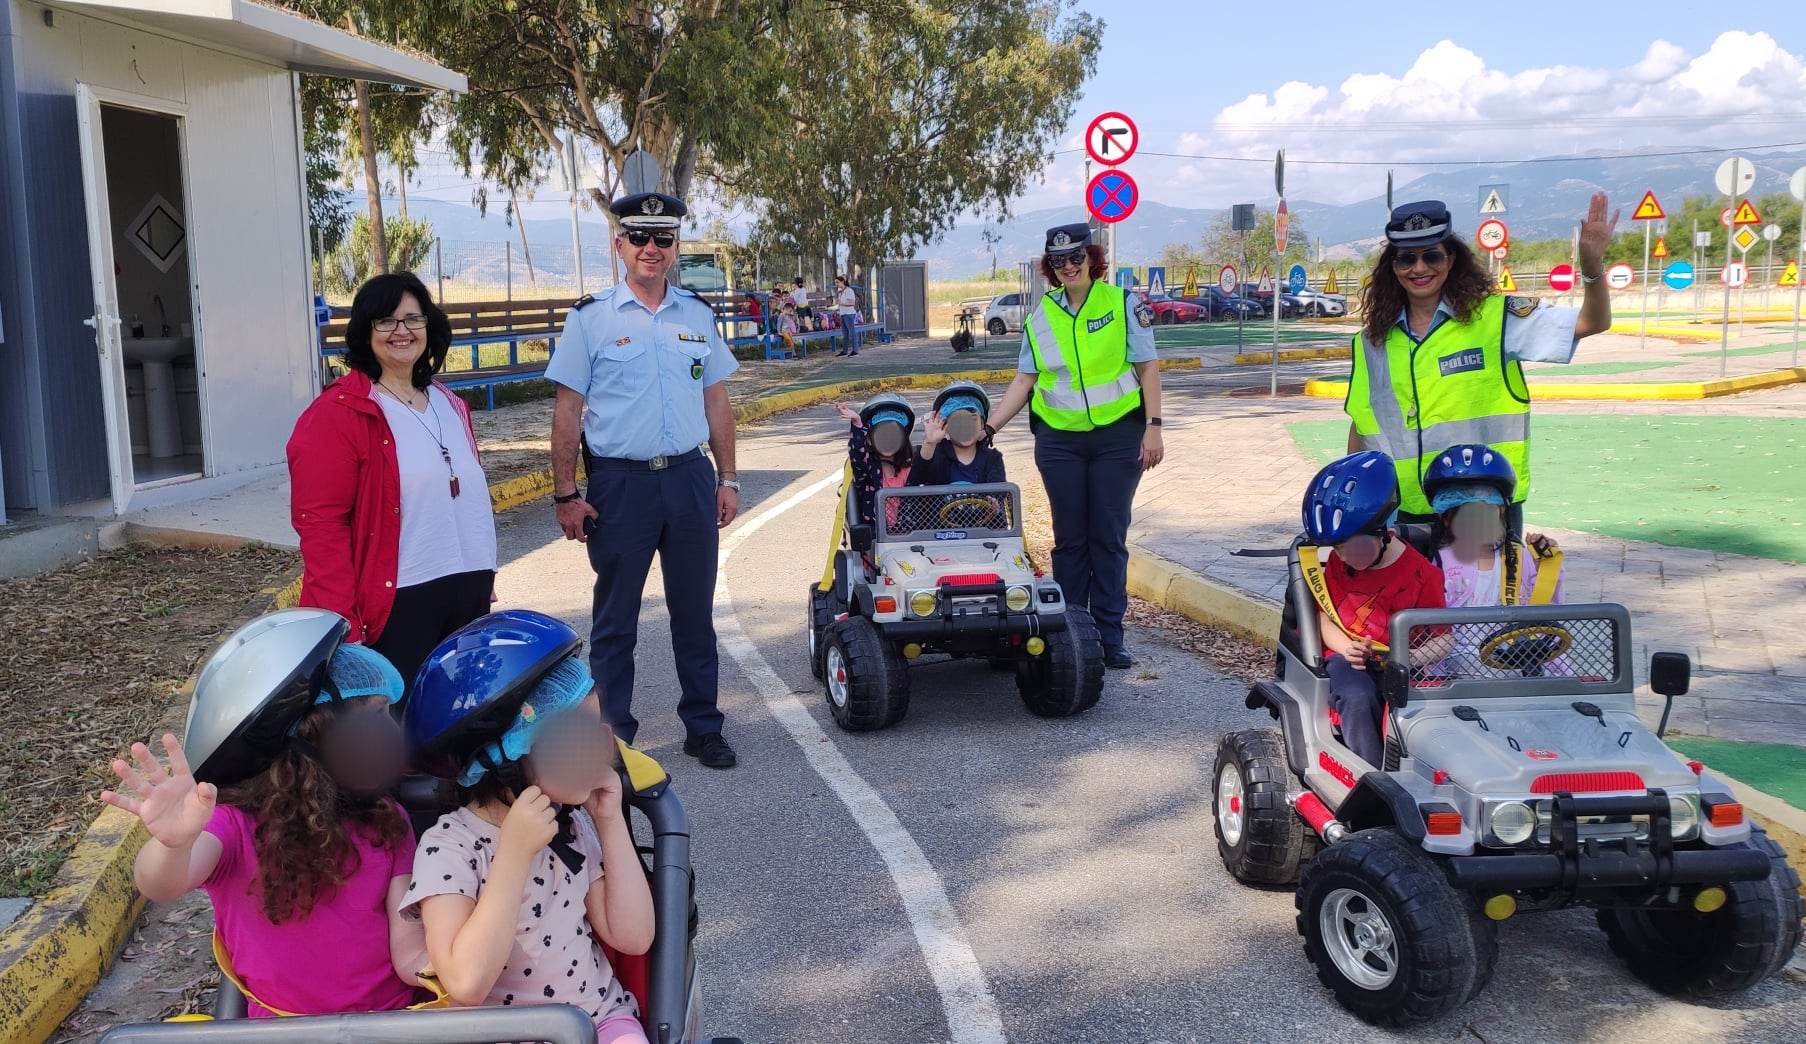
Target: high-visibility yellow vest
[
  {"x": 1413, "y": 400},
  {"x": 1083, "y": 377}
]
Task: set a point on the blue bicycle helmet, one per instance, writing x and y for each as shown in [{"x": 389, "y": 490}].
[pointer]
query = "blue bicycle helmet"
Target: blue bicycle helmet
[
  {"x": 1464, "y": 474},
  {"x": 1351, "y": 496},
  {"x": 470, "y": 690}
]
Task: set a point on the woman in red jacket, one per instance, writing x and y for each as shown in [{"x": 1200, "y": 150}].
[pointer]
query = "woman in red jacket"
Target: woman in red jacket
[{"x": 386, "y": 491}]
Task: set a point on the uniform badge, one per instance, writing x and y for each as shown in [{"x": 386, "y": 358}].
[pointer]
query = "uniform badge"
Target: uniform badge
[
  {"x": 1094, "y": 325},
  {"x": 578, "y": 304},
  {"x": 652, "y": 205},
  {"x": 1144, "y": 314},
  {"x": 1416, "y": 223},
  {"x": 696, "y": 369},
  {"x": 1061, "y": 240},
  {"x": 694, "y": 338},
  {"x": 1521, "y": 306},
  {"x": 619, "y": 341}
]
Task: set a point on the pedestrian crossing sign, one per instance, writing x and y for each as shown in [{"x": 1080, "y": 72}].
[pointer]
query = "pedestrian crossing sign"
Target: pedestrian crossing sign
[
  {"x": 1329, "y": 285},
  {"x": 1156, "y": 280},
  {"x": 1790, "y": 276},
  {"x": 1191, "y": 282},
  {"x": 1506, "y": 283}
]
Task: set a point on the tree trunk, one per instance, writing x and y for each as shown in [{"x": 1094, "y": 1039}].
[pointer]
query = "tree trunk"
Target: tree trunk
[
  {"x": 521, "y": 223},
  {"x": 401, "y": 185},
  {"x": 683, "y": 168},
  {"x": 373, "y": 186}
]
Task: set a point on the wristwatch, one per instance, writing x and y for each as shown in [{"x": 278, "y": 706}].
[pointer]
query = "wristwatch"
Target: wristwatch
[
  {"x": 1153, "y": 422},
  {"x": 733, "y": 484},
  {"x": 567, "y": 498},
  {"x": 1587, "y": 280},
  {"x": 990, "y": 432}
]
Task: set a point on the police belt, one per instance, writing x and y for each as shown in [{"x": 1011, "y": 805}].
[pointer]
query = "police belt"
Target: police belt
[{"x": 594, "y": 463}]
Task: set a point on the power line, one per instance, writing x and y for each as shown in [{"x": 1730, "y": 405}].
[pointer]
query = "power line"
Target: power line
[
  {"x": 1590, "y": 122},
  {"x": 1454, "y": 162}
]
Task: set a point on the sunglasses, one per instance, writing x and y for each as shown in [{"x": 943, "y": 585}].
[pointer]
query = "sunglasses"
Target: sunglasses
[
  {"x": 1071, "y": 259},
  {"x": 664, "y": 240},
  {"x": 387, "y": 324},
  {"x": 1408, "y": 258}
]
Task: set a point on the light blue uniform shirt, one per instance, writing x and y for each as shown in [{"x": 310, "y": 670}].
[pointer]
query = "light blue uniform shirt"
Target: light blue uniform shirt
[
  {"x": 641, "y": 372},
  {"x": 1141, "y": 338},
  {"x": 1545, "y": 334}
]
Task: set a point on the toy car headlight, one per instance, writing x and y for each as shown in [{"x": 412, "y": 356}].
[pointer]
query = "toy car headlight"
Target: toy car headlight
[
  {"x": 1513, "y": 822},
  {"x": 1017, "y": 599},
  {"x": 1683, "y": 814},
  {"x": 923, "y": 603}
]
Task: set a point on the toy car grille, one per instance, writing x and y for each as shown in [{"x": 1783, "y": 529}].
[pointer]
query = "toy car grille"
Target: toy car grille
[
  {"x": 957, "y": 514},
  {"x": 1504, "y": 649}
]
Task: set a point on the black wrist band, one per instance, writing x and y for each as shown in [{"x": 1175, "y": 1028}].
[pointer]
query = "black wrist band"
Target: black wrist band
[
  {"x": 572, "y": 496},
  {"x": 1154, "y": 422}
]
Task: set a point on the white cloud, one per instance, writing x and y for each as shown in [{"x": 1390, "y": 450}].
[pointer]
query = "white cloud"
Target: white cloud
[{"x": 1450, "y": 104}]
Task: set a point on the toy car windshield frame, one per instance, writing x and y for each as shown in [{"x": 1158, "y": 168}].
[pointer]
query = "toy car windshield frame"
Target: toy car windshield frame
[
  {"x": 1595, "y": 661},
  {"x": 908, "y": 497}
]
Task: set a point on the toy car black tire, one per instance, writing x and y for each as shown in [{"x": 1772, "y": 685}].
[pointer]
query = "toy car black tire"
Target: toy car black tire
[
  {"x": 1068, "y": 677},
  {"x": 1443, "y": 948},
  {"x": 1733, "y": 948},
  {"x": 1263, "y": 841},
  {"x": 823, "y": 608},
  {"x": 875, "y": 690}
]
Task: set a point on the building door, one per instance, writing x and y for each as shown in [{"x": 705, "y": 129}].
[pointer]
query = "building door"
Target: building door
[{"x": 108, "y": 340}]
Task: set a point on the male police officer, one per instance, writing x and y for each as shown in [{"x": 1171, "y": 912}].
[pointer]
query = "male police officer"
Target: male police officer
[{"x": 639, "y": 369}]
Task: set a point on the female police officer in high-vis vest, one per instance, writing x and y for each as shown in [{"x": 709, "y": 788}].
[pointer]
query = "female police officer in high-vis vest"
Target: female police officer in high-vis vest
[
  {"x": 1438, "y": 360},
  {"x": 1089, "y": 372}
]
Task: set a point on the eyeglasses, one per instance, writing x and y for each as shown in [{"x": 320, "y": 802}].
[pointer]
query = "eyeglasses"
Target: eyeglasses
[
  {"x": 664, "y": 240},
  {"x": 1070, "y": 259},
  {"x": 1432, "y": 257},
  {"x": 387, "y": 324}
]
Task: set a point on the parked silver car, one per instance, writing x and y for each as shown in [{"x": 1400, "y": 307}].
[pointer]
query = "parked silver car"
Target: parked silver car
[{"x": 1004, "y": 315}]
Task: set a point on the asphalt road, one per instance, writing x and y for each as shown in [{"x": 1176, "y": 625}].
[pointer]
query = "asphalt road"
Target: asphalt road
[{"x": 1083, "y": 898}]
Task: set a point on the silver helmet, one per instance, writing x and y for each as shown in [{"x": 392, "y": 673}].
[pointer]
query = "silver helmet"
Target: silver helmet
[
  {"x": 963, "y": 390},
  {"x": 254, "y": 688},
  {"x": 888, "y": 402}
]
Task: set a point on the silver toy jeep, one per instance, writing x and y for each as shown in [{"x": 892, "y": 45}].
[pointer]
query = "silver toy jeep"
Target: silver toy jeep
[
  {"x": 1517, "y": 778},
  {"x": 944, "y": 570}
]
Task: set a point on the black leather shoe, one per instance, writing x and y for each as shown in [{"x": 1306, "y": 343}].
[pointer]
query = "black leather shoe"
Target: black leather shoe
[
  {"x": 1118, "y": 659},
  {"x": 711, "y": 750}
]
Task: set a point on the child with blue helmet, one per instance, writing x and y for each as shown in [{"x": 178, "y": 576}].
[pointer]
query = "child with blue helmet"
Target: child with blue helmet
[
  {"x": 959, "y": 416},
  {"x": 285, "y": 819},
  {"x": 1470, "y": 488},
  {"x": 1369, "y": 575},
  {"x": 521, "y": 888}
]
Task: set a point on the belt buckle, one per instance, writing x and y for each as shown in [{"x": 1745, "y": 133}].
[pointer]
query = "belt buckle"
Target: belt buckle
[{"x": 658, "y": 463}]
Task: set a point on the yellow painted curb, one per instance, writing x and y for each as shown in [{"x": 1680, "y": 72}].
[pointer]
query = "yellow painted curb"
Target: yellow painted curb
[
  {"x": 1172, "y": 586},
  {"x": 1293, "y": 355},
  {"x": 1667, "y": 391},
  {"x": 1679, "y": 333}
]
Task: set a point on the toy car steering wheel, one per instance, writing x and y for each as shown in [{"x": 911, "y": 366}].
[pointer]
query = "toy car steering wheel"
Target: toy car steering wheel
[
  {"x": 1525, "y": 647},
  {"x": 984, "y": 511}
]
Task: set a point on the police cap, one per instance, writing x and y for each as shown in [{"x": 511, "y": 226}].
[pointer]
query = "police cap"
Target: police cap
[
  {"x": 1419, "y": 224},
  {"x": 1067, "y": 237},
  {"x": 651, "y": 211}
]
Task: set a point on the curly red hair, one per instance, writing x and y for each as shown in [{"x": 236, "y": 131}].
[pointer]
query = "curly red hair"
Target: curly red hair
[
  {"x": 303, "y": 837},
  {"x": 1099, "y": 265}
]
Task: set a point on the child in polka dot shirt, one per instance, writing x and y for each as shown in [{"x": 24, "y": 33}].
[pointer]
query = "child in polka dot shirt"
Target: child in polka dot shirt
[{"x": 516, "y": 889}]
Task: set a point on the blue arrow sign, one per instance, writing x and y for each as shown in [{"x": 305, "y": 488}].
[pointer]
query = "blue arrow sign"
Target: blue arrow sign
[
  {"x": 1111, "y": 196},
  {"x": 1295, "y": 279},
  {"x": 1679, "y": 275}
]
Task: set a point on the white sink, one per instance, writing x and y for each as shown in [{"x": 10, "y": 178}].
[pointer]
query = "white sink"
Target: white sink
[{"x": 162, "y": 419}]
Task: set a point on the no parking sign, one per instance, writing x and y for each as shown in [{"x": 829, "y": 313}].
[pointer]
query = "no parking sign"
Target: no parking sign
[{"x": 1111, "y": 196}]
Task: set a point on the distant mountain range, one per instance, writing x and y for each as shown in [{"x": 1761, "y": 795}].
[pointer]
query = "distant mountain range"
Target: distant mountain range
[{"x": 1545, "y": 200}]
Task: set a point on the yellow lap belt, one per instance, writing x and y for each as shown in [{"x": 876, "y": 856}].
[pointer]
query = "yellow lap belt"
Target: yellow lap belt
[
  {"x": 840, "y": 521},
  {"x": 1548, "y": 574},
  {"x": 1312, "y": 568}
]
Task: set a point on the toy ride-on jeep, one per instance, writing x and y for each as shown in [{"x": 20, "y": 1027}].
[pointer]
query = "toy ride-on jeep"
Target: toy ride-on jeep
[
  {"x": 943, "y": 570},
  {"x": 1517, "y": 777}
]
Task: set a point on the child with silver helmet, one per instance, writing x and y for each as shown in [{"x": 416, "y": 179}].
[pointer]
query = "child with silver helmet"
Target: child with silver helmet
[
  {"x": 517, "y": 889},
  {"x": 284, "y": 820},
  {"x": 878, "y": 447},
  {"x": 960, "y": 412}
]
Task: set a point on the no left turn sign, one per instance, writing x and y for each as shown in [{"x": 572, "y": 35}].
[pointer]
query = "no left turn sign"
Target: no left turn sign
[{"x": 1111, "y": 138}]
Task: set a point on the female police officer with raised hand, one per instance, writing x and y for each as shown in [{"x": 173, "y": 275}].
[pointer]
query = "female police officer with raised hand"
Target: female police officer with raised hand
[{"x": 1089, "y": 370}]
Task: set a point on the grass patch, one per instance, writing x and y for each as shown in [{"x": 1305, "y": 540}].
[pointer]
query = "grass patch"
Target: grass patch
[
  {"x": 1776, "y": 769},
  {"x": 1726, "y": 484},
  {"x": 1601, "y": 369},
  {"x": 1738, "y": 353}
]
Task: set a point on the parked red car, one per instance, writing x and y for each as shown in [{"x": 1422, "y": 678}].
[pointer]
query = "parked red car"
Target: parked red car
[{"x": 1167, "y": 310}]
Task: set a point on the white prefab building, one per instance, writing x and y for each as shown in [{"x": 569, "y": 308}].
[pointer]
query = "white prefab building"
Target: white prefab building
[{"x": 157, "y": 336}]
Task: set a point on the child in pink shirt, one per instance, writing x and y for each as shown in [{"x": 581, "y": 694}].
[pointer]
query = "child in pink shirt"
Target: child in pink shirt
[{"x": 297, "y": 844}]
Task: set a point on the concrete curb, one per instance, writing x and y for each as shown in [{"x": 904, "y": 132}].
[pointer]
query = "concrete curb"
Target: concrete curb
[
  {"x": 1669, "y": 391},
  {"x": 59, "y": 949},
  {"x": 1172, "y": 586},
  {"x": 1293, "y": 355}
]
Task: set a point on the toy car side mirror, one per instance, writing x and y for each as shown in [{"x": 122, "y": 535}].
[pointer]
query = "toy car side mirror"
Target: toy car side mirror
[
  {"x": 1670, "y": 675},
  {"x": 860, "y": 537},
  {"x": 1395, "y": 684}
]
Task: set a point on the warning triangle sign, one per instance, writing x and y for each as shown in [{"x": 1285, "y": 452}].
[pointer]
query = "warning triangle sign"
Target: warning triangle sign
[
  {"x": 1506, "y": 283},
  {"x": 1329, "y": 285},
  {"x": 1790, "y": 276},
  {"x": 1266, "y": 280},
  {"x": 1191, "y": 282},
  {"x": 1648, "y": 209},
  {"x": 1661, "y": 247},
  {"x": 1746, "y": 215}
]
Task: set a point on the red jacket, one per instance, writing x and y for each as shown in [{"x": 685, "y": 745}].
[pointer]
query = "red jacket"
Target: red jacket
[{"x": 345, "y": 503}]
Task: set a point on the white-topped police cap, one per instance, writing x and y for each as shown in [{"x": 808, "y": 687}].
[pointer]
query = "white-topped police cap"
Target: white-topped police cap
[
  {"x": 1419, "y": 224},
  {"x": 653, "y": 211},
  {"x": 1067, "y": 237}
]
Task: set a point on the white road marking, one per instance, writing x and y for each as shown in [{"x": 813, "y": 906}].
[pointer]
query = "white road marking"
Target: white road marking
[{"x": 972, "y": 1015}]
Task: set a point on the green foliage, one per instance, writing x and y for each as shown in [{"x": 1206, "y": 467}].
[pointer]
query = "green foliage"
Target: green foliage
[
  {"x": 410, "y": 243},
  {"x": 1220, "y": 245}
]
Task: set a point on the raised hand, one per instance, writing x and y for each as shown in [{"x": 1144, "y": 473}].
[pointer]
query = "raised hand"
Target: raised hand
[
  {"x": 172, "y": 806},
  {"x": 1595, "y": 235},
  {"x": 934, "y": 428},
  {"x": 847, "y": 413}
]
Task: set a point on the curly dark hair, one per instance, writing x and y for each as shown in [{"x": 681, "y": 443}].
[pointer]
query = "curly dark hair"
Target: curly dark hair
[
  {"x": 303, "y": 837},
  {"x": 379, "y": 297},
  {"x": 1382, "y": 300},
  {"x": 1097, "y": 263}
]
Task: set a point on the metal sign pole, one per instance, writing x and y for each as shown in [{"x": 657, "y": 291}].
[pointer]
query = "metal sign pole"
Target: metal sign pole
[
  {"x": 1724, "y": 337},
  {"x": 1799, "y": 250},
  {"x": 576, "y": 228},
  {"x": 1643, "y": 328},
  {"x": 1239, "y": 317}
]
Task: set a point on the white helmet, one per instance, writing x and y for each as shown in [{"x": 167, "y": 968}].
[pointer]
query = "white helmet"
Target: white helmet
[{"x": 254, "y": 688}]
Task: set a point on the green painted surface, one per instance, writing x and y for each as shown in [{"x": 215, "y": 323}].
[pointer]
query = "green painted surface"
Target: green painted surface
[
  {"x": 1728, "y": 484},
  {"x": 1776, "y": 769},
  {"x": 1737, "y": 353},
  {"x": 1255, "y": 336},
  {"x": 1601, "y": 369}
]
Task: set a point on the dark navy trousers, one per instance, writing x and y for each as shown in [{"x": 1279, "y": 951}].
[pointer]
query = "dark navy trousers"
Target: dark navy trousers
[
  {"x": 1090, "y": 477},
  {"x": 1354, "y": 694},
  {"x": 639, "y": 512}
]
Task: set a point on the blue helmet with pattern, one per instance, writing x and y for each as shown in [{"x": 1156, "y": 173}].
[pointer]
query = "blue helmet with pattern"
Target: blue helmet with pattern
[
  {"x": 470, "y": 691},
  {"x": 1467, "y": 474},
  {"x": 1351, "y": 496}
]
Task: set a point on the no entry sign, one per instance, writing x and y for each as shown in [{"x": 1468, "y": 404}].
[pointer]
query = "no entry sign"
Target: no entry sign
[
  {"x": 1111, "y": 138},
  {"x": 1111, "y": 196},
  {"x": 1561, "y": 277}
]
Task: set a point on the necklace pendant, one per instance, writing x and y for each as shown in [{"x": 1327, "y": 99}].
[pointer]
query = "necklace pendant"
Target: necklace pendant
[{"x": 454, "y": 486}]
